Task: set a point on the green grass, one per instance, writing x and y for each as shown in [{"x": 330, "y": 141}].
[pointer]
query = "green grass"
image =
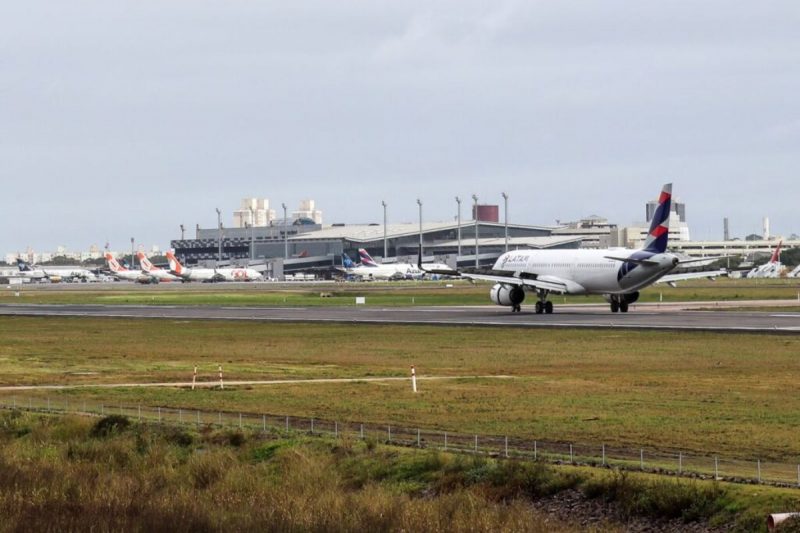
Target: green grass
[
  {"x": 696, "y": 392},
  {"x": 70, "y": 473},
  {"x": 377, "y": 294}
]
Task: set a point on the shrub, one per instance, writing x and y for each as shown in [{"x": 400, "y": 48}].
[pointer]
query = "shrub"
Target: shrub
[{"x": 110, "y": 425}]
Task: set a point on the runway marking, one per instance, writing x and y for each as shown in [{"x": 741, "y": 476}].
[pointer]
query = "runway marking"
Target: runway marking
[{"x": 212, "y": 384}]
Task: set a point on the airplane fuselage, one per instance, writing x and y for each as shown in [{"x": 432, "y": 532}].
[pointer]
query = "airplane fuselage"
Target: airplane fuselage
[{"x": 589, "y": 271}]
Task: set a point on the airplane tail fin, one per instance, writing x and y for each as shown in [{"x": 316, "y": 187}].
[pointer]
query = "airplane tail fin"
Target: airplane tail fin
[
  {"x": 366, "y": 260},
  {"x": 776, "y": 255},
  {"x": 347, "y": 262},
  {"x": 23, "y": 265},
  {"x": 658, "y": 235},
  {"x": 174, "y": 264},
  {"x": 147, "y": 266},
  {"x": 113, "y": 265}
]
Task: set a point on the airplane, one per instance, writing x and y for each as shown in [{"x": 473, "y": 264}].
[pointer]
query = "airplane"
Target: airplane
[
  {"x": 770, "y": 269},
  {"x": 402, "y": 270},
  {"x": 618, "y": 274},
  {"x": 55, "y": 274},
  {"x": 211, "y": 274},
  {"x": 123, "y": 273},
  {"x": 151, "y": 270},
  {"x": 368, "y": 269}
]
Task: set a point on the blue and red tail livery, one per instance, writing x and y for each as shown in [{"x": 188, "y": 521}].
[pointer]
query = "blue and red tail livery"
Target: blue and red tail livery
[
  {"x": 658, "y": 235},
  {"x": 366, "y": 260}
]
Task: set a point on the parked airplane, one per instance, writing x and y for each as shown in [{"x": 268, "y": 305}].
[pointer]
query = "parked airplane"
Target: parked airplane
[
  {"x": 617, "y": 274},
  {"x": 54, "y": 273},
  {"x": 149, "y": 269},
  {"x": 770, "y": 269},
  {"x": 372, "y": 271},
  {"x": 211, "y": 274},
  {"x": 121, "y": 272}
]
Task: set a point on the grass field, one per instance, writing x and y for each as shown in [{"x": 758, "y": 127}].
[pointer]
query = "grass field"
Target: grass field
[
  {"x": 378, "y": 294},
  {"x": 704, "y": 392},
  {"x": 108, "y": 474}
]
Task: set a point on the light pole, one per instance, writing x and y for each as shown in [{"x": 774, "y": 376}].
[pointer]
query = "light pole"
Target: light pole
[
  {"x": 132, "y": 263},
  {"x": 475, "y": 216},
  {"x": 458, "y": 217},
  {"x": 419, "y": 203},
  {"x": 385, "y": 244},
  {"x": 505, "y": 211},
  {"x": 219, "y": 235},
  {"x": 183, "y": 231},
  {"x": 252, "y": 232},
  {"x": 285, "y": 233}
]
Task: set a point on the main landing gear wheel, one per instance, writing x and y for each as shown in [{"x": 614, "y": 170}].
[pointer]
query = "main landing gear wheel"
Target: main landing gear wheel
[
  {"x": 539, "y": 308},
  {"x": 516, "y": 308},
  {"x": 548, "y": 308},
  {"x": 623, "y": 306},
  {"x": 615, "y": 307}
]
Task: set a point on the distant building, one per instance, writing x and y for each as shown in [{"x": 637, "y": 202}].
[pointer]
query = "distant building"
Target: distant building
[
  {"x": 253, "y": 212},
  {"x": 308, "y": 210},
  {"x": 486, "y": 213},
  {"x": 678, "y": 208}
]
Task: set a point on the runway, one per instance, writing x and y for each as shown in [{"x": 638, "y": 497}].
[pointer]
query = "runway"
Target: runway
[{"x": 641, "y": 317}]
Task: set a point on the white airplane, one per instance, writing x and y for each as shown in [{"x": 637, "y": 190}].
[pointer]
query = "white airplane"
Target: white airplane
[
  {"x": 770, "y": 269},
  {"x": 120, "y": 272},
  {"x": 618, "y": 274},
  {"x": 153, "y": 271},
  {"x": 53, "y": 273},
  {"x": 211, "y": 274}
]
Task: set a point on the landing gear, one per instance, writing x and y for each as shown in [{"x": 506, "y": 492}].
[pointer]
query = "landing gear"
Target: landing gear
[
  {"x": 544, "y": 305},
  {"x": 516, "y": 308},
  {"x": 618, "y": 306}
]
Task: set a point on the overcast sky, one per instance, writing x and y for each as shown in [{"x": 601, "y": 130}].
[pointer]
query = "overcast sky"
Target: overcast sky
[{"x": 128, "y": 118}]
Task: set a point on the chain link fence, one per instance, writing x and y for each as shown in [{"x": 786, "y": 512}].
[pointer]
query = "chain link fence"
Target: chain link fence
[{"x": 703, "y": 466}]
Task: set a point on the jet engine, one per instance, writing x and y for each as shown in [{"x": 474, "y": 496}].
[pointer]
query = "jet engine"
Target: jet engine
[{"x": 510, "y": 295}]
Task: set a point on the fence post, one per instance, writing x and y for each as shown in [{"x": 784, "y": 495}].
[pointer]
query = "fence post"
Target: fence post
[
  {"x": 287, "y": 423},
  {"x": 680, "y": 462},
  {"x": 604, "y": 454},
  {"x": 571, "y": 456},
  {"x": 390, "y": 434},
  {"x": 159, "y": 412},
  {"x": 140, "y": 413},
  {"x": 445, "y": 443},
  {"x": 180, "y": 416},
  {"x": 641, "y": 458},
  {"x": 219, "y": 417},
  {"x": 264, "y": 423},
  {"x": 476, "y": 444},
  {"x": 362, "y": 431},
  {"x": 336, "y": 429},
  {"x": 758, "y": 466},
  {"x": 312, "y": 426},
  {"x": 240, "y": 420},
  {"x": 716, "y": 467},
  {"x": 418, "y": 440},
  {"x": 66, "y": 405},
  {"x": 506, "y": 446},
  {"x": 535, "y": 451}
]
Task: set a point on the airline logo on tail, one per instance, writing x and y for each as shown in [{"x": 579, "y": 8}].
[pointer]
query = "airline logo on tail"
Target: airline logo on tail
[
  {"x": 366, "y": 260},
  {"x": 112, "y": 263},
  {"x": 147, "y": 266},
  {"x": 23, "y": 265},
  {"x": 174, "y": 265},
  {"x": 347, "y": 262},
  {"x": 656, "y": 241},
  {"x": 776, "y": 255}
]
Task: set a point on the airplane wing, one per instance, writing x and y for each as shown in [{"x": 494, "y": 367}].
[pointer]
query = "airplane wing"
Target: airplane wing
[
  {"x": 701, "y": 259},
  {"x": 708, "y": 274},
  {"x": 551, "y": 284},
  {"x": 645, "y": 262}
]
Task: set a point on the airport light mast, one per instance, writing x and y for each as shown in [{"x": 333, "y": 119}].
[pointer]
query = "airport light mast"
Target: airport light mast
[
  {"x": 219, "y": 235},
  {"x": 505, "y": 211},
  {"x": 285, "y": 233},
  {"x": 183, "y": 231},
  {"x": 475, "y": 216},
  {"x": 458, "y": 218},
  {"x": 252, "y": 231},
  {"x": 419, "y": 203},
  {"x": 133, "y": 265},
  {"x": 385, "y": 245}
]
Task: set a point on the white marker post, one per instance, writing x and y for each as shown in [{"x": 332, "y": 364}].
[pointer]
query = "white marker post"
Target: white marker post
[
  {"x": 194, "y": 377},
  {"x": 221, "y": 385},
  {"x": 413, "y": 379}
]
